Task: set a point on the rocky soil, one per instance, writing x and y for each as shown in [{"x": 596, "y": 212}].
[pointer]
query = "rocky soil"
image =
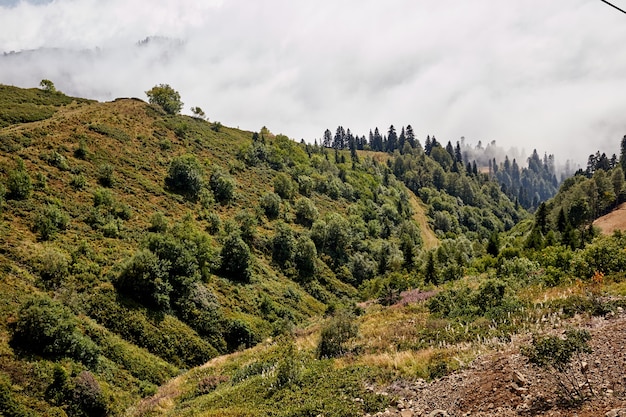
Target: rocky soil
[{"x": 505, "y": 384}]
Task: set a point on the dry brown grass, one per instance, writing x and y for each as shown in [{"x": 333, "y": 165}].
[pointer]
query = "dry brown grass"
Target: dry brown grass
[
  {"x": 419, "y": 215},
  {"x": 615, "y": 220}
]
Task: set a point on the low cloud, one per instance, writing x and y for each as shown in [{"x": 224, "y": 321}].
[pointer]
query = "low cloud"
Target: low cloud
[{"x": 529, "y": 74}]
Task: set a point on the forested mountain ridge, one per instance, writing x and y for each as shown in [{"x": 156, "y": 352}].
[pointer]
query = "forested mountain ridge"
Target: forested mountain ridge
[{"x": 527, "y": 186}]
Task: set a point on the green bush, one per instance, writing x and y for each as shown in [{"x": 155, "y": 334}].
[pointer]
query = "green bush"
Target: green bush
[
  {"x": 305, "y": 185},
  {"x": 213, "y": 223},
  {"x": 9, "y": 406},
  {"x": 158, "y": 223},
  {"x": 185, "y": 176},
  {"x": 102, "y": 197},
  {"x": 53, "y": 267},
  {"x": 270, "y": 203},
  {"x": 48, "y": 328},
  {"x": 112, "y": 229},
  {"x": 87, "y": 398},
  {"x": 163, "y": 334},
  {"x": 166, "y": 97},
  {"x": 335, "y": 335},
  {"x": 236, "y": 259},
  {"x": 78, "y": 181},
  {"x": 240, "y": 335},
  {"x": 606, "y": 255},
  {"x": 223, "y": 186},
  {"x": 489, "y": 300},
  {"x": 49, "y": 221},
  {"x": 561, "y": 358},
  {"x": 305, "y": 256},
  {"x": 145, "y": 277},
  {"x": 19, "y": 184},
  {"x": 81, "y": 152},
  {"x": 57, "y": 160},
  {"x": 284, "y": 186},
  {"x": 105, "y": 175},
  {"x": 283, "y": 245},
  {"x": 247, "y": 226},
  {"x": 306, "y": 212}
]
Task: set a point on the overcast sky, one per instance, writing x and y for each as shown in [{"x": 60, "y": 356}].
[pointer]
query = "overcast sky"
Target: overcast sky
[{"x": 538, "y": 74}]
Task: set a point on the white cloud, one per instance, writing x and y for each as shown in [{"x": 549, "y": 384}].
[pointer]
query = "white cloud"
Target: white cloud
[{"x": 526, "y": 73}]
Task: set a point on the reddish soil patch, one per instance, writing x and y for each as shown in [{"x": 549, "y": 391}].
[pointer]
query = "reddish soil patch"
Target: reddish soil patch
[{"x": 615, "y": 220}]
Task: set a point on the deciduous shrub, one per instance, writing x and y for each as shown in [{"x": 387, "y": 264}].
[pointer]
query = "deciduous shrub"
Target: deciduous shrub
[
  {"x": 223, "y": 186},
  {"x": 283, "y": 245},
  {"x": 53, "y": 267},
  {"x": 335, "y": 335},
  {"x": 284, "y": 186},
  {"x": 48, "y": 328},
  {"x": 236, "y": 258},
  {"x": 105, "y": 175},
  {"x": 560, "y": 358},
  {"x": 166, "y": 97},
  {"x": 158, "y": 222},
  {"x": 145, "y": 277},
  {"x": 305, "y": 256},
  {"x": 270, "y": 203},
  {"x": 49, "y": 221},
  {"x": 306, "y": 212},
  {"x": 87, "y": 398},
  {"x": 185, "y": 176},
  {"x": 19, "y": 184},
  {"x": 78, "y": 181},
  {"x": 239, "y": 334}
]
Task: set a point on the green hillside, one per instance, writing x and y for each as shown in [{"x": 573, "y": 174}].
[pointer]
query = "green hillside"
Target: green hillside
[{"x": 137, "y": 245}]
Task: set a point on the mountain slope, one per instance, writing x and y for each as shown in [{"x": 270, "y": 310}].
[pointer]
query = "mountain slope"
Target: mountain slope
[{"x": 137, "y": 244}]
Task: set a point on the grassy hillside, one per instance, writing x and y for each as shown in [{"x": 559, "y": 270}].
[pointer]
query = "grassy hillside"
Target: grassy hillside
[
  {"x": 138, "y": 245},
  {"x": 121, "y": 268}
]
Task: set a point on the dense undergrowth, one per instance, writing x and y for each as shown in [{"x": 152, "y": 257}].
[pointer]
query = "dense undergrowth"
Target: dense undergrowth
[{"x": 137, "y": 245}]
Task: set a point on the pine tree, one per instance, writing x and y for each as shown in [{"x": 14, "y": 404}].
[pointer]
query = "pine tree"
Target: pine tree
[
  {"x": 410, "y": 136},
  {"x": 401, "y": 140},
  {"x": 541, "y": 218},
  {"x": 392, "y": 140},
  {"x": 328, "y": 139},
  {"x": 450, "y": 150},
  {"x": 622, "y": 155},
  {"x": 457, "y": 153},
  {"x": 428, "y": 146}
]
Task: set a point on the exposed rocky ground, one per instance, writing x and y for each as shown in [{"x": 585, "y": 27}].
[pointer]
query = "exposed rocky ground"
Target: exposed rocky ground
[{"x": 506, "y": 384}]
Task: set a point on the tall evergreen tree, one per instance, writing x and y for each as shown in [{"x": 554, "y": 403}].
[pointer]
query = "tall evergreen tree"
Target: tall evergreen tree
[
  {"x": 401, "y": 140},
  {"x": 328, "y": 139},
  {"x": 450, "y": 150},
  {"x": 428, "y": 146},
  {"x": 392, "y": 140},
  {"x": 410, "y": 137},
  {"x": 458, "y": 156},
  {"x": 622, "y": 155}
]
